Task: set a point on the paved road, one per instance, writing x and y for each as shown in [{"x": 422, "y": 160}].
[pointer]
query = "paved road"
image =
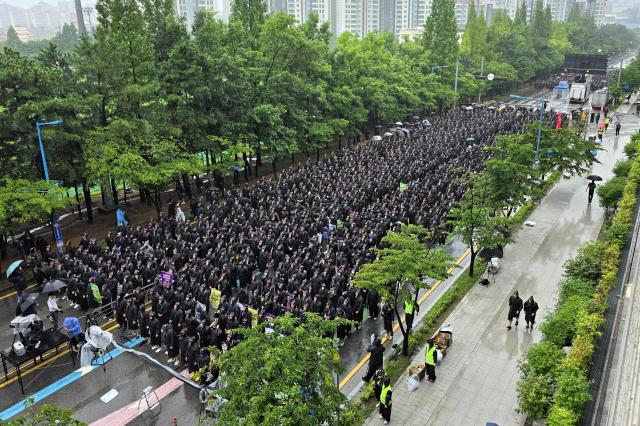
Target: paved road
[{"x": 477, "y": 381}]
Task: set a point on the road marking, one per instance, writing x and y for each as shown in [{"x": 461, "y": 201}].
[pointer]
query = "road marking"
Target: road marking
[
  {"x": 61, "y": 383},
  {"x": 42, "y": 364},
  {"x": 396, "y": 326},
  {"x": 13, "y": 293}
]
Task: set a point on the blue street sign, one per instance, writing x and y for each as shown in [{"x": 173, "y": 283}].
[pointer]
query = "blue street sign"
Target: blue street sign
[{"x": 57, "y": 232}]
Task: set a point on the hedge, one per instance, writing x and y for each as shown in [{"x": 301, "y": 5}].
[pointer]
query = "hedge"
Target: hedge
[{"x": 558, "y": 394}]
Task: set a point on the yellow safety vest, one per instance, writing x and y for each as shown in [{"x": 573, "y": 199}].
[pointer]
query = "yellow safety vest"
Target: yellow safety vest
[
  {"x": 428, "y": 356},
  {"x": 408, "y": 307},
  {"x": 383, "y": 395}
]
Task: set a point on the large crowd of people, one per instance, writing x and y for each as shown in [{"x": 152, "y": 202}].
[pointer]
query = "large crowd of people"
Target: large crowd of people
[{"x": 289, "y": 245}]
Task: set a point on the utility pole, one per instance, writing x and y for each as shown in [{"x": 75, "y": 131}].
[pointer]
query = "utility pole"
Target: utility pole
[
  {"x": 620, "y": 72},
  {"x": 455, "y": 85},
  {"x": 481, "y": 71}
]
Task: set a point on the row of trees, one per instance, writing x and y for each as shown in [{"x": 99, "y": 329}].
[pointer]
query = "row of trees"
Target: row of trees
[{"x": 146, "y": 101}]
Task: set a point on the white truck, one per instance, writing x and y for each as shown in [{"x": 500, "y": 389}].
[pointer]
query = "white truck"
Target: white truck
[
  {"x": 580, "y": 90},
  {"x": 600, "y": 98}
]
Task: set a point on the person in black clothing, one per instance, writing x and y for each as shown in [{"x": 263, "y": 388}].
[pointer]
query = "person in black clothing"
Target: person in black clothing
[
  {"x": 373, "y": 303},
  {"x": 155, "y": 332},
  {"x": 378, "y": 377},
  {"x": 515, "y": 306},
  {"x": 376, "y": 351},
  {"x": 591, "y": 188},
  {"x": 530, "y": 309},
  {"x": 387, "y": 315}
]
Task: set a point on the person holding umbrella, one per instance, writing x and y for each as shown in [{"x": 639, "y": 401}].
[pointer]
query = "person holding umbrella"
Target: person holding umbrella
[
  {"x": 16, "y": 276},
  {"x": 592, "y": 185}
]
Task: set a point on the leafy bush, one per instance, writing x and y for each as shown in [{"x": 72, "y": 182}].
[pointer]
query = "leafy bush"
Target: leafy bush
[
  {"x": 611, "y": 192},
  {"x": 587, "y": 264},
  {"x": 572, "y": 286},
  {"x": 535, "y": 395},
  {"x": 560, "y": 328},
  {"x": 622, "y": 168},
  {"x": 542, "y": 358},
  {"x": 631, "y": 149},
  {"x": 560, "y": 416},
  {"x": 572, "y": 389}
]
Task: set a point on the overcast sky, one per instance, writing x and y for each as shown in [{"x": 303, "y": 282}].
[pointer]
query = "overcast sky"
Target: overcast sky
[{"x": 29, "y": 3}]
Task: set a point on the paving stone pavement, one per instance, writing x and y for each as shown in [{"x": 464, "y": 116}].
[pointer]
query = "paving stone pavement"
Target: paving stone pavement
[{"x": 476, "y": 382}]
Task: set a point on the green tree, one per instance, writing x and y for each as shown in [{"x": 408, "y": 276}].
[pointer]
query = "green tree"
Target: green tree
[
  {"x": 402, "y": 268},
  {"x": 47, "y": 415},
  {"x": 478, "y": 223},
  {"x": 284, "y": 377},
  {"x": 440, "y": 37}
]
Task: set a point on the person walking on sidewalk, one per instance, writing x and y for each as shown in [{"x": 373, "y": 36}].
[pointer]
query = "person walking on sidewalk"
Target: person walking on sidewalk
[
  {"x": 387, "y": 316},
  {"x": 618, "y": 126},
  {"x": 515, "y": 306},
  {"x": 530, "y": 309},
  {"x": 376, "y": 359},
  {"x": 385, "y": 400},
  {"x": 409, "y": 308},
  {"x": 430, "y": 359},
  {"x": 591, "y": 188}
]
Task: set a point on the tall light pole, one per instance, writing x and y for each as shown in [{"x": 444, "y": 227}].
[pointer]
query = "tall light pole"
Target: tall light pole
[
  {"x": 57, "y": 232},
  {"x": 541, "y": 101}
]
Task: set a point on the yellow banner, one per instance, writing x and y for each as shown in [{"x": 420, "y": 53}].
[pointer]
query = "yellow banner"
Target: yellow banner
[
  {"x": 214, "y": 298},
  {"x": 254, "y": 317}
]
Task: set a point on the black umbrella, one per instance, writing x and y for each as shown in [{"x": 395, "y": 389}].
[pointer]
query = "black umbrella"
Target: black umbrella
[
  {"x": 53, "y": 285},
  {"x": 594, "y": 178},
  {"x": 29, "y": 300}
]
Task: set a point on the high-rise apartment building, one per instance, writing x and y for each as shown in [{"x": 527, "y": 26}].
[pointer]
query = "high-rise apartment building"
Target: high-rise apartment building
[{"x": 187, "y": 9}]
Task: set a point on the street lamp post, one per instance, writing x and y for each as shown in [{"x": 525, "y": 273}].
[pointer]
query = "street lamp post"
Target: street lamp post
[
  {"x": 57, "y": 232},
  {"x": 542, "y": 101}
]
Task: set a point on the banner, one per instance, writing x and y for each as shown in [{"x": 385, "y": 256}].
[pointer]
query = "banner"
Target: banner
[
  {"x": 559, "y": 122},
  {"x": 403, "y": 186},
  {"x": 254, "y": 317},
  {"x": 166, "y": 278},
  {"x": 214, "y": 298},
  {"x": 96, "y": 293}
]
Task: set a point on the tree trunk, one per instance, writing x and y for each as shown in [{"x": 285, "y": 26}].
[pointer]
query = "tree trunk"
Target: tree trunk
[
  {"x": 472, "y": 260},
  {"x": 148, "y": 196},
  {"x": 157, "y": 202},
  {"x": 206, "y": 160},
  {"x": 258, "y": 157},
  {"x": 143, "y": 195},
  {"x": 293, "y": 158},
  {"x": 317, "y": 155},
  {"x": 247, "y": 167},
  {"x": 405, "y": 337},
  {"x": 273, "y": 166},
  {"x": 187, "y": 185},
  {"x": 3, "y": 246},
  {"x": 75, "y": 189},
  {"x": 124, "y": 190},
  {"x": 114, "y": 191},
  {"x": 87, "y": 200}
]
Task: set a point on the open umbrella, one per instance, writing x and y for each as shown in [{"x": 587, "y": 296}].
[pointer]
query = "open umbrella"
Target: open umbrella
[
  {"x": 388, "y": 134},
  {"x": 594, "y": 178},
  {"x": 398, "y": 123},
  {"x": 13, "y": 267},
  {"x": 53, "y": 285},
  {"x": 468, "y": 108},
  {"x": 29, "y": 300},
  {"x": 72, "y": 325},
  {"x": 376, "y": 138}
]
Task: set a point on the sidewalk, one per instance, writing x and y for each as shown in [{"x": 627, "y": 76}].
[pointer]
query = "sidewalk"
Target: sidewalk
[{"x": 477, "y": 380}]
